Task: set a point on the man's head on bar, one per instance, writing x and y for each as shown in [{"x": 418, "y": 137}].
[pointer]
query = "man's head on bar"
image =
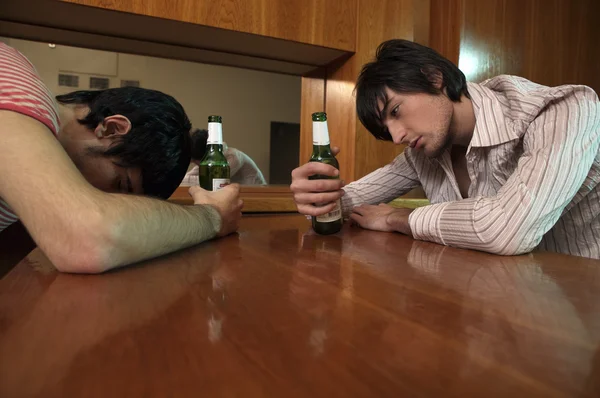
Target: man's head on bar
[
  {"x": 508, "y": 165},
  {"x": 128, "y": 139}
]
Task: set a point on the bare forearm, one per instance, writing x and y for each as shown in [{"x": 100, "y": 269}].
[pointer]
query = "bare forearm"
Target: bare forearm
[
  {"x": 140, "y": 228},
  {"x": 398, "y": 221}
]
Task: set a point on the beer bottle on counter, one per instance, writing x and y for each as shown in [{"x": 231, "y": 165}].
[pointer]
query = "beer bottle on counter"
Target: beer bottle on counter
[
  {"x": 331, "y": 222},
  {"x": 214, "y": 168}
]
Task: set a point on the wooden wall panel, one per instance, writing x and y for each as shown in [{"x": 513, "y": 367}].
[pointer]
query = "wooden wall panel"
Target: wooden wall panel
[
  {"x": 341, "y": 114},
  {"x": 313, "y": 100},
  {"x": 445, "y": 27},
  {"x": 328, "y": 23},
  {"x": 551, "y": 42}
]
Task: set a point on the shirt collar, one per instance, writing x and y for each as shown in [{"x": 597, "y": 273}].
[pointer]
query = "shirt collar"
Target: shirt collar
[{"x": 491, "y": 126}]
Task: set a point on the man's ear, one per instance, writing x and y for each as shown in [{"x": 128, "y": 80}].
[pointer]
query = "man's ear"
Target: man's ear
[
  {"x": 435, "y": 77},
  {"x": 113, "y": 126}
]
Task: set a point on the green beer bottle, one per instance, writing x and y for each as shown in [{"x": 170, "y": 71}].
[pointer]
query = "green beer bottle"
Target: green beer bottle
[
  {"x": 331, "y": 222},
  {"x": 214, "y": 169}
]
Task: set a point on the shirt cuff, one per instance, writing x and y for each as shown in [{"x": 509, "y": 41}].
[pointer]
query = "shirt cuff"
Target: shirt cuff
[
  {"x": 425, "y": 223},
  {"x": 346, "y": 206}
]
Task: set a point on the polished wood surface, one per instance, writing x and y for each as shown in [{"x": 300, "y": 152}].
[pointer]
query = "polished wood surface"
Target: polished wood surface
[
  {"x": 276, "y": 311},
  {"x": 320, "y": 22},
  {"x": 257, "y": 198}
]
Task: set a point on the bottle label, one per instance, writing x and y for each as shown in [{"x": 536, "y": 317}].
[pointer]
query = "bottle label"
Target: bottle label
[
  {"x": 215, "y": 133},
  {"x": 320, "y": 133},
  {"x": 333, "y": 215},
  {"x": 218, "y": 183}
]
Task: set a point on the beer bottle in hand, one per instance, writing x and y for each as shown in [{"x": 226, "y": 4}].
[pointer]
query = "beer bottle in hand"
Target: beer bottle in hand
[
  {"x": 331, "y": 222},
  {"x": 214, "y": 169}
]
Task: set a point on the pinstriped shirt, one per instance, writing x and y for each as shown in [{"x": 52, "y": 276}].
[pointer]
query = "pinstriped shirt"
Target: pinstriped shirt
[{"x": 534, "y": 166}]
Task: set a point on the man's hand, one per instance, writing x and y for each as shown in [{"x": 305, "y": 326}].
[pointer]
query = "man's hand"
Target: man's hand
[
  {"x": 382, "y": 218},
  {"x": 308, "y": 192},
  {"x": 227, "y": 202}
]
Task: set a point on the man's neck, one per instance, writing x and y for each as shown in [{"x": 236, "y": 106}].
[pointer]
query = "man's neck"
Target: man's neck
[{"x": 463, "y": 122}]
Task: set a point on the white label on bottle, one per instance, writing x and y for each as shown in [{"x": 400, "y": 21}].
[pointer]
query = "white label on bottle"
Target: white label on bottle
[
  {"x": 333, "y": 215},
  {"x": 320, "y": 133},
  {"x": 219, "y": 183},
  {"x": 215, "y": 133}
]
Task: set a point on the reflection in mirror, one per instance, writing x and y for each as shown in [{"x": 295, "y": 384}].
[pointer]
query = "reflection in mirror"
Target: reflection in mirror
[{"x": 260, "y": 110}]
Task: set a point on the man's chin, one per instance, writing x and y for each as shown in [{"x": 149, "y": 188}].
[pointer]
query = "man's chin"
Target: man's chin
[
  {"x": 433, "y": 154},
  {"x": 437, "y": 151}
]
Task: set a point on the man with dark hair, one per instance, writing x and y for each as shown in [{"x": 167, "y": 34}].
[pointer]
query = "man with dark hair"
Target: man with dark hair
[
  {"x": 243, "y": 169},
  {"x": 69, "y": 174},
  {"x": 508, "y": 165},
  {"x": 156, "y": 142}
]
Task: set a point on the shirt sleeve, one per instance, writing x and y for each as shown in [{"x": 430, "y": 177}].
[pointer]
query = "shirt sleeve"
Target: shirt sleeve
[
  {"x": 559, "y": 148},
  {"x": 244, "y": 170},
  {"x": 22, "y": 90},
  {"x": 191, "y": 177},
  {"x": 382, "y": 185}
]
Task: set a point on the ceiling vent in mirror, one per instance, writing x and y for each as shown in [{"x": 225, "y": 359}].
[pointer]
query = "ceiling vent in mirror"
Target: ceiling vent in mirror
[
  {"x": 130, "y": 83},
  {"x": 99, "y": 83},
  {"x": 65, "y": 80}
]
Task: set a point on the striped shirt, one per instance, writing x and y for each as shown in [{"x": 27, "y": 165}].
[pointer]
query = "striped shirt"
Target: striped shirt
[
  {"x": 534, "y": 166},
  {"x": 22, "y": 91}
]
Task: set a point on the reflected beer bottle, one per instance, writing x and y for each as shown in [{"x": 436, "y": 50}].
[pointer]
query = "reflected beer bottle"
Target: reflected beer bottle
[
  {"x": 214, "y": 169},
  {"x": 331, "y": 222}
]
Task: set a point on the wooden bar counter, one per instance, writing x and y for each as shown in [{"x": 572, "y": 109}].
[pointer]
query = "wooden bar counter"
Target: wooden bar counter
[{"x": 276, "y": 311}]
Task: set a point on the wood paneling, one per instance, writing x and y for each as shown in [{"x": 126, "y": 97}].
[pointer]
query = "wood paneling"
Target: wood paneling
[
  {"x": 313, "y": 100},
  {"x": 320, "y": 22},
  {"x": 421, "y": 21},
  {"x": 257, "y": 199},
  {"x": 551, "y": 42},
  {"x": 140, "y": 47},
  {"x": 445, "y": 27},
  {"x": 277, "y": 311},
  {"x": 341, "y": 113},
  {"x": 110, "y": 30}
]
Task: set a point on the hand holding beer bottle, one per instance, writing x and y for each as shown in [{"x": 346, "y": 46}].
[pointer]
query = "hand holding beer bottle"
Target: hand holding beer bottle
[{"x": 316, "y": 185}]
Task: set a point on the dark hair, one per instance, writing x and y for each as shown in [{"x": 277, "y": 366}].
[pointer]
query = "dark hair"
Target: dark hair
[
  {"x": 158, "y": 142},
  {"x": 199, "y": 139},
  {"x": 404, "y": 67}
]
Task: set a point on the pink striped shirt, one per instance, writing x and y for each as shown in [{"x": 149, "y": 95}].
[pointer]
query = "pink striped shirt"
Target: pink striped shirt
[
  {"x": 22, "y": 91},
  {"x": 534, "y": 166}
]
